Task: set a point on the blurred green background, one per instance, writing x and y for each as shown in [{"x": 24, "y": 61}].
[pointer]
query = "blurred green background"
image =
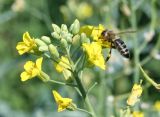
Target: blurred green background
[{"x": 34, "y": 99}]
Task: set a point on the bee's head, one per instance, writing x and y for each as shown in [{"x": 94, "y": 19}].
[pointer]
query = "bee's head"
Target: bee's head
[{"x": 104, "y": 33}]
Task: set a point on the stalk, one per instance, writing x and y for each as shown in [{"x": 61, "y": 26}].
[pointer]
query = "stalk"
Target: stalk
[{"x": 136, "y": 53}]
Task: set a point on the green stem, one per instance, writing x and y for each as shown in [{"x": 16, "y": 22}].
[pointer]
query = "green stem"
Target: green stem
[
  {"x": 88, "y": 103},
  {"x": 83, "y": 93},
  {"x": 136, "y": 53},
  {"x": 62, "y": 83},
  {"x": 154, "y": 14},
  {"x": 145, "y": 60},
  {"x": 149, "y": 79},
  {"x": 102, "y": 94},
  {"x": 79, "y": 85},
  {"x": 91, "y": 87},
  {"x": 82, "y": 110}
]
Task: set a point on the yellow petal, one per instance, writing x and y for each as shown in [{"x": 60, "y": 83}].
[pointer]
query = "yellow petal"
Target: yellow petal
[
  {"x": 87, "y": 30},
  {"x": 94, "y": 52},
  {"x": 57, "y": 96},
  {"x": 63, "y": 64},
  {"x": 132, "y": 100},
  {"x": 138, "y": 114},
  {"x": 35, "y": 72},
  {"x": 66, "y": 101},
  {"x": 62, "y": 103},
  {"x": 39, "y": 63},
  {"x": 22, "y": 48},
  {"x": 26, "y": 37},
  {"x": 135, "y": 94},
  {"x": 25, "y": 76},
  {"x": 60, "y": 108},
  {"x": 96, "y": 33},
  {"x": 29, "y": 65},
  {"x": 157, "y": 105}
]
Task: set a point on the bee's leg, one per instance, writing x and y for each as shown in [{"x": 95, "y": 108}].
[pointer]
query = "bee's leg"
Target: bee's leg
[{"x": 109, "y": 55}]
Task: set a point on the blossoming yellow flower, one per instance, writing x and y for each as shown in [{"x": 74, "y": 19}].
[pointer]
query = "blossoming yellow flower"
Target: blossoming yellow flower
[
  {"x": 63, "y": 103},
  {"x": 95, "y": 33},
  {"x": 27, "y": 45},
  {"x": 138, "y": 114},
  {"x": 157, "y": 105},
  {"x": 94, "y": 52},
  {"x": 135, "y": 94},
  {"x": 31, "y": 69}
]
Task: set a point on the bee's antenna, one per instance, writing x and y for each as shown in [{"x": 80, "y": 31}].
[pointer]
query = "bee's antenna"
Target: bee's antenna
[{"x": 123, "y": 32}]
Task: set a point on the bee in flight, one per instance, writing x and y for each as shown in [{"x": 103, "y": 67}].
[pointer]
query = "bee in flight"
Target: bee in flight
[{"x": 116, "y": 42}]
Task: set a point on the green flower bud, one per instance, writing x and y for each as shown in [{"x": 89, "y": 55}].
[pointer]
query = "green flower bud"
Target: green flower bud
[
  {"x": 53, "y": 50},
  {"x": 76, "y": 39},
  {"x": 63, "y": 34},
  {"x": 84, "y": 38},
  {"x": 55, "y": 35},
  {"x": 67, "y": 75},
  {"x": 56, "y": 28},
  {"x": 64, "y": 43},
  {"x": 43, "y": 48},
  {"x": 64, "y": 28},
  {"x": 40, "y": 42},
  {"x": 69, "y": 38},
  {"x": 72, "y": 107},
  {"x": 74, "y": 28},
  {"x": 44, "y": 77},
  {"x": 46, "y": 39}
]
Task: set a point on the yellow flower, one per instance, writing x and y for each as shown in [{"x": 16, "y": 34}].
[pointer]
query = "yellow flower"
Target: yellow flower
[
  {"x": 27, "y": 45},
  {"x": 94, "y": 52},
  {"x": 135, "y": 94},
  {"x": 84, "y": 11},
  {"x": 63, "y": 64},
  {"x": 87, "y": 30},
  {"x": 138, "y": 114},
  {"x": 157, "y": 106},
  {"x": 95, "y": 34},
  {"x": 63, "y": 103},
  {"x": 31, "y": 69}
]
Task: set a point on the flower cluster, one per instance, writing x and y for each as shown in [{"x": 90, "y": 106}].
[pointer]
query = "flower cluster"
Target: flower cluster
[
  {"x": 61, "y": 50},
  {"x": 71, "y": 49}
]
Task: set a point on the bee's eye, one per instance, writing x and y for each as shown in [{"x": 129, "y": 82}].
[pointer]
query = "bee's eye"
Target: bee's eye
[{"x": 104, "y": 33}]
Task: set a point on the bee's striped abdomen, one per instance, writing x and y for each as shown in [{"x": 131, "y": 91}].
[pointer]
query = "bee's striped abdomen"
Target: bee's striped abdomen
[{"x": 121, "y": 47}]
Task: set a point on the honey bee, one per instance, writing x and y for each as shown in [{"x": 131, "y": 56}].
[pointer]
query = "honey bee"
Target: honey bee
[{"x": 116, "y": 42}]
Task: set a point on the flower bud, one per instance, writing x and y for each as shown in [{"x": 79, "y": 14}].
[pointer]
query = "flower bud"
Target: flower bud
[
  {"x": 44, "y": 77},
  {"x": 40, "y": 42},
  {"x": 46, "y": 39},
  {"x": 56, "y": 28},
  {"x": 69, "y": 38},
  {"x": 43, "y": 48},
  {"x": 84, "y": 38},
  {"x": 55, "y": 35},
  {"x": 74, "y": 28},
  {"x": 76, "y": 40},
  {"x": 53, "y": 50},
  {"x": 64, "y": 43},
  {"x": 72, "y": 107},
  {"x": 67, "y": 75},
  {"x": 64, "y": 28}
]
